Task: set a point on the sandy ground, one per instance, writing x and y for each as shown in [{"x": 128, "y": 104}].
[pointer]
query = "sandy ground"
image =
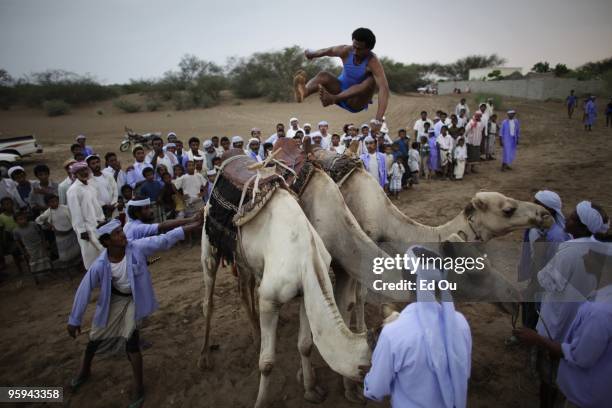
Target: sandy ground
[{"x": 554, "y": 153}]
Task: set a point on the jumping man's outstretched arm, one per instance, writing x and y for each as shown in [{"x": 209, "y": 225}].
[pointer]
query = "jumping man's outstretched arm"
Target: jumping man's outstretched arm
[
  {"x": 383, "y": 87},
  {"x": 336, "y": 51}
]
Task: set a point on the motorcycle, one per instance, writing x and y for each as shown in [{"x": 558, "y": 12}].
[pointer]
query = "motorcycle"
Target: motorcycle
[{"x": 137, "y": 139}]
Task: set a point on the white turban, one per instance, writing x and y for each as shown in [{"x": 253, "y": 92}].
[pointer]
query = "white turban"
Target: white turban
[
  {"x": 79, "y": 137},
  {"x": 171, "y": 134},
  {"x": 253, "y": 140},
  {"x": 14, "y": 169},
  {"x": 316, "y": 134},
  {"x": 237, "y": 139},
  {"x": 211, "y": 172},
  {"x": 365, "y": 125},
  {"x": 590, "y": 217},
  {"x": 108, "y": 227},
  {"x": 323, "y": 123},
  {"x": 511, "y": 111},
  {"x": 447, "y": 355},
  {"x": 552, "y": 200},
  {"x": 307, "y": 125},
  {"x": 207, "y": 144},
  {"x": 135, "y": 203},
  {"x": 293, "y": 119},
  {"x": 91, "y": 156}
]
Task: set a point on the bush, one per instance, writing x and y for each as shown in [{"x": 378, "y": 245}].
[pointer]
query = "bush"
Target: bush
[
  {"x": 402, "y": 78},
  {"x": 126, "y": 106},
  {"x": 482, "y": 97},
  {"x": 56, "y": 107},
  {"x": 153, "y": 105}
]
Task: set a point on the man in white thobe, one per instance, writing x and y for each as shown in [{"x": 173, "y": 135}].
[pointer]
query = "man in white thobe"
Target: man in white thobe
[
  {"x": 105, "y": 185},
  {"x": 429, "y": 344},
  {"x": 86, "y": 212},
  {"x": 294, "y": 126}
]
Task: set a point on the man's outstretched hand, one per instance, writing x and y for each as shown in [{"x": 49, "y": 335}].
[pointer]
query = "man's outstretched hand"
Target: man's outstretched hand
[{"x": 73, "y": 331}]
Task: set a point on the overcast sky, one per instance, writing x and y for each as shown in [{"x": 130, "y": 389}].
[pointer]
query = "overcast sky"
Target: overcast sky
[{"x": 116, "y": 40}]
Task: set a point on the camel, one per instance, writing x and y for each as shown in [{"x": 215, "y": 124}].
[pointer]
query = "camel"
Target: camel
[
  {"x": 353, "y": 250},
  {"x": 279, "y": 249}
]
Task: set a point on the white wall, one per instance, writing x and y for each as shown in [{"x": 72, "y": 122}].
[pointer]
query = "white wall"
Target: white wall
[{"x": 536, "y": 88}]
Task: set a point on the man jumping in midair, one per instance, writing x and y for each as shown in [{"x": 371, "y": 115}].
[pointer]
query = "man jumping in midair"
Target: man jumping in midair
[{"x": 362, "y": 72}]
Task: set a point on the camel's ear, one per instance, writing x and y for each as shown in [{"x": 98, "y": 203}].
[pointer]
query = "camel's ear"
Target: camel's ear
[
  {"x": 307, "y": 145},
  {"x": 479, "y": 204}
]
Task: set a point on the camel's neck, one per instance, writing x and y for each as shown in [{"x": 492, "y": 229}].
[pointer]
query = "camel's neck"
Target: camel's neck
[{"x": 342, "y": 349}]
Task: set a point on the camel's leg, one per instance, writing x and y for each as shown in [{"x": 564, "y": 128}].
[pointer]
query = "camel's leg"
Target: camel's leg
[
  {"x": 268, "y": 318},
  {"x": 246, "y": 283},
  {"x": 346, "y": 298},
  {"x": 312, "y": 392},
  {"x": 360, "y": 294},
  {"x": 210, "y": 265}
]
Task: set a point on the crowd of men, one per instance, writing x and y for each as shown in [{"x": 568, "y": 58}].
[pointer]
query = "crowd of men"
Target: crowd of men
[{"x": 102, "y": 215}]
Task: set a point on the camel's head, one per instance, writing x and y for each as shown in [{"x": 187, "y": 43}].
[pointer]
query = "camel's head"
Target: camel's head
[{"x": 493, "y": 214}]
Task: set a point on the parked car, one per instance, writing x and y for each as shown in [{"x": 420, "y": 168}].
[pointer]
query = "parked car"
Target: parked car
[{"x": 20, "y": 145}]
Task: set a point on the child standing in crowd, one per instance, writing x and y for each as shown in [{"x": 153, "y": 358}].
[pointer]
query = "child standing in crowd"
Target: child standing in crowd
[
  {"x": 7, "y": 226},
  {"x": 40, "y": 188},
  {"x": 178, "y": 171},
  {"x": 193, "y": 186},
  {"x": 56, "y": 219},
  {"x": 434, "y": 162},
  {"x": 460, "y": 157},
  {"x": 30, "y": 240},
  {"x": 397, "y": 172},
  {"x": 490, "y": 143},
  {"x": 22, "y": 187},
  {"x": 389, "y": 158},
  {"x": 151, "y": 188},
  {"x": 424, "y": 152},
  {"x": 168, "y": 197},
  {"x": 414, "y": 163}
]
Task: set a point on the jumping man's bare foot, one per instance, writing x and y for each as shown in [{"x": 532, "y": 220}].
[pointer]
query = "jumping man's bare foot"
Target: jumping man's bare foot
[
  {"x": 299, "y": 85},
  {"x": 326, "y": 98}
]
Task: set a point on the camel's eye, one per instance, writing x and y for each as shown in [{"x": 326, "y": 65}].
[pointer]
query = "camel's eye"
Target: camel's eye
[{"x": 509, "y": 211}]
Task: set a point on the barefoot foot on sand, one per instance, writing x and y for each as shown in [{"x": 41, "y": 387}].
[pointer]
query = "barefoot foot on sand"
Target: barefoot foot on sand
[
  {"x": 299, "y": 85},
  {"x": 326, "y": 98}
]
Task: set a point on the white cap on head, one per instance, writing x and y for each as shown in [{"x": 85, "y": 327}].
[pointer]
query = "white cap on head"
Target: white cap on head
[
  {"x": 255, "y": 130},
  {"x": 14, "y": 169},
  {"x": 323, "y": 123},
  {"x": 237, "y": 139},
  {"x": 170, "y": 145},
  {"x": 368, "y": 139},
  {"x": 365, "y": 125},
  {"x": 211, "y": 172},
  {"x": 293, "y": 119},
  {"x": 79, "y": 137},
  {"x": 511, "y": 111},
  {"x": 591, "y": 218},
  {"x": 307, "y": 125},
  {"x": 91, "y": 156},
  {"x": 207, "y": 144},
  {"x": 253, "y": 140},
  {"x": 108, "y": 227},
  {"x": 139, "y": 203},
  {"x": 170, "y": 134},
  {"x": 198, "y": 158}
]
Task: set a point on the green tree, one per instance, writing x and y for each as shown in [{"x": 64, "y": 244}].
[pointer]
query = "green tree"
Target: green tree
[
  {"x": 460, "y": 69},
  {"x": 561, "y": 70},
  {"x": 541, "y": 67}
]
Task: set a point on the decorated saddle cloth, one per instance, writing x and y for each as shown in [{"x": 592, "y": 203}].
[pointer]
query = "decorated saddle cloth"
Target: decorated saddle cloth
[
  {"x": 239, "y": 193},
  {"x": 292, "y": 164},
  {"x": 337, "y": 166}
]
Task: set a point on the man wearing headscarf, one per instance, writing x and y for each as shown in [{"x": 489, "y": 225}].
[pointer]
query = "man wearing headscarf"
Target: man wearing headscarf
[
  {"x": 125, "y": 298},
  {"x": 85, "y": 211},
  {"x": 141, "y": 218},
  {"x": 423, "y": 358},
  {"x": 254, "y": 148},
  {"x": 325, "y": 136},
  {"x": 539, "y": 246},
  {"x": 374, "y": 162},
  {"x": 564, "y": 279},
  {"x": 585, "y": 352},
  {"x": 294, "y": 126},
  {"x": 473, "y": 138},
  {"x": 63, "y": 187},
  {"x": 210, "y": 153},
  {"x": 509, "y": 138}
]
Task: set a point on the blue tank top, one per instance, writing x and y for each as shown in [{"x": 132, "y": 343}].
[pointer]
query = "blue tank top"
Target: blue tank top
[{"x": 353, "y": 74}]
